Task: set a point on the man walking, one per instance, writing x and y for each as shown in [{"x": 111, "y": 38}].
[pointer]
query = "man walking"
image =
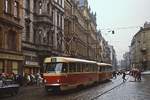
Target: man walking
[{"x": 124, "y": 76}]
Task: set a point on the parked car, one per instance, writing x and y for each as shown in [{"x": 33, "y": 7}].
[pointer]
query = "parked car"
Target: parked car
[{"x": 8, "y": 87}]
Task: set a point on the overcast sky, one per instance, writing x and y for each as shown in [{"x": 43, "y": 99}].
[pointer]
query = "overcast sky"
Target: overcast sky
[{"x": 118, "y": 15}]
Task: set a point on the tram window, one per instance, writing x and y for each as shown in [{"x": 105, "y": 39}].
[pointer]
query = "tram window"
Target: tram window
[
  {"x": 106, "y": 68},
  {"x": 79, "y": 67},
  {"x": 88, "y": 68},
  {"x": 65, "y": 68},
  {"x": 93, "y": 67},
  {"x": 100, "y": 69},
  {"x": 72, "y": 67},
  {"x": 83, "y": 67},
  {"x": 103, "y": 68}
]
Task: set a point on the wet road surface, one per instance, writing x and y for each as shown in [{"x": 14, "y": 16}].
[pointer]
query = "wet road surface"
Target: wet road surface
[
  {"x": 130, "y": 90},
  {"x": 113, "y": 90}
]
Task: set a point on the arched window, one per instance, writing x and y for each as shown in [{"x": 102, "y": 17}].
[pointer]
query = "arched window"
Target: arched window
[
  {"x": 59, "y": 40},
  {"x": 51, "y": 38},
  {"x": 40, "y": 7},
  {"x": 44, "y": 38},
  {"x": 16, "y": 9},
  {"x": 40, "y": 36},
  {"x": 7, "y": 6},
  {"x": 48, "y": 8}
]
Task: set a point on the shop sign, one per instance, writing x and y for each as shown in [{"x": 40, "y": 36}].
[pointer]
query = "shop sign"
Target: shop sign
[
  {"x": 10, "y": 56},
  {"x": 31, "y": 63}
]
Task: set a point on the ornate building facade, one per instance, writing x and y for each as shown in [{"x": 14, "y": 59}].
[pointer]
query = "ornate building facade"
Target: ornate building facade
[
  {"x": 43, "y": 33},
  {"x": 11, "y": 56},
  {"x": 140, "y": 48},
  {"x": 82, "y": 39}
]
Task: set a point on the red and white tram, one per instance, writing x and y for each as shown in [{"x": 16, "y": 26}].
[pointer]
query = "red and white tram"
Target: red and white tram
[
  {"x": 104, "y": 71},
  {"x": 63, "y": 73}
]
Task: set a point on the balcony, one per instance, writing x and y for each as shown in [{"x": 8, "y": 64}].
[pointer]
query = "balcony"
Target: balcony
[{"x": 43, "y": 19}]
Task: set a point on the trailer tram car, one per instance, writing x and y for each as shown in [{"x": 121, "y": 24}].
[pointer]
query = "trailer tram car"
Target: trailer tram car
[
  {"x": 104, "y": 71},
  {"x": 63, "y": 73}
]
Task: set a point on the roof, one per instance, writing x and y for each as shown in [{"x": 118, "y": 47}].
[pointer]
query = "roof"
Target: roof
[
  {"x": 104, "y": 64},
  {"x": 66, "y": 59}
]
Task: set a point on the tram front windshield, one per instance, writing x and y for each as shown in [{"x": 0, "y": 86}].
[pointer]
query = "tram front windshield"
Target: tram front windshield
[{"x": 53, "y": 67}]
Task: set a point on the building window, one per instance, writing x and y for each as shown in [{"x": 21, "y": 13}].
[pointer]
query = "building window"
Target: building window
[
  {"x": 12, "y": 36},
  {"x": 1, "y": 67},
  {"x": 59, "y": 40},
  {"x": 53, "y": 15},
  {"x": 16, "y": 9},
  {"x": 57, "y": 19},
  {"x": 58, "y": 1},
  {"x": 44, "y": 38},
  {"x": 7, "y": 6},
  {"x": 61, "y": 2},
  {"x": 27, "y": 32},
  {"x": 48, "y": 8},
  {"x": 27, "y": 7},
  {"x": 1, "y": 37},
  {"x": 15, "y": 67},
  {"x": 40, "y": 36},
  {"x": 9, "y": 67},
  {"x": 51, "y": 37},
  {"x": 40, "y": 7},
  {"x": 61, "y": 20}
]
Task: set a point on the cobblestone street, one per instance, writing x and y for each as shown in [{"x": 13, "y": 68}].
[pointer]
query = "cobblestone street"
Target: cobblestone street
[
  {"x": 130, "y": 90},
  {"x": 113, "y": 90}
]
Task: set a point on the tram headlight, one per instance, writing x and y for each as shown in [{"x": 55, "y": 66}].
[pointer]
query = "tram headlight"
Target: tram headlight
[
  {"x": 58, "y": 80},
  {"x": 45, "y": 81}
]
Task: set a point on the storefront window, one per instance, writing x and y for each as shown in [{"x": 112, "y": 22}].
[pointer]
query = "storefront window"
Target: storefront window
[
  {"x": 9, "y": 67},
  {"x": 15, "y": 67},
  {"x": 1, "y": 67},
  {"x": 1, "y": 37}
]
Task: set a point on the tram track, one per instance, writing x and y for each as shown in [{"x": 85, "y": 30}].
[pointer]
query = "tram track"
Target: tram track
[{"x": 105, "y": 92}]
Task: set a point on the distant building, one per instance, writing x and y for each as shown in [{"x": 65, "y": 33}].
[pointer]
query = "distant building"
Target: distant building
[
  {"x": 113, "y": 57},
  {"x": 127, "y": 60},
  {"x": 122, "y": 65}
]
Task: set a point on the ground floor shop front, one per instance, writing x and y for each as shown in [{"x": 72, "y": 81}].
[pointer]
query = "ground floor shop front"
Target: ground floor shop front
[{"x": 11, "y": 63}]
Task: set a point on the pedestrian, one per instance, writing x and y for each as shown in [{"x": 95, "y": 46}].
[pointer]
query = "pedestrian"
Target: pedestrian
[
  {"x": 39, "y": 79},
  {"x": 136, "y": 75},
  {"x": 32, "y": 78},
  {"x": 124, "y": 76},
  {"x": 139, "y": 75},
  {"x": 27, "y": 79},
  {"x": 114, "y": 74}
]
